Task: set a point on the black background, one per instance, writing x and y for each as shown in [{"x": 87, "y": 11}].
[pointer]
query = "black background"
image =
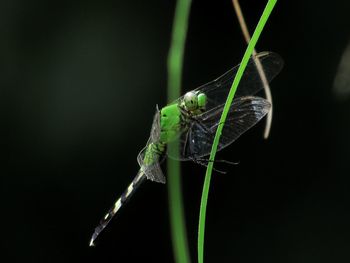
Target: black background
[{"x": 78, "y": 86}]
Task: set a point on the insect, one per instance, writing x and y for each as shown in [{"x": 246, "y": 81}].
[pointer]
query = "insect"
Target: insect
[{"x": 192, "y": 120}]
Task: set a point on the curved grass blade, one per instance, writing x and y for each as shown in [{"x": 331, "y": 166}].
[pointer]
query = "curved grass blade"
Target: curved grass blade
[
  {"x": 267, "y": 89},
  {"x": 202, "y": 215}
]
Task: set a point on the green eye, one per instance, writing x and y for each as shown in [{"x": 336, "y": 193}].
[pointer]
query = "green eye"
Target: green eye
[
  {"x": 191, "y": 101},
  {"x": 202, "y": 100}
]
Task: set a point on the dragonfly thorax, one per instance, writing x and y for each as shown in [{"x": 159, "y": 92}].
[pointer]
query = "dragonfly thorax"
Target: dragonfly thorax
[{"x": 170, "y": 123}]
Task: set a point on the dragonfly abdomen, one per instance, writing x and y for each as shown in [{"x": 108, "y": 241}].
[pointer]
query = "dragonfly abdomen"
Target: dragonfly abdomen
[{"x": 136, "y": 182}]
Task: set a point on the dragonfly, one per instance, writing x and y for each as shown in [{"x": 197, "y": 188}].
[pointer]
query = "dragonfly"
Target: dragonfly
[{"x": 191, "y": 122}]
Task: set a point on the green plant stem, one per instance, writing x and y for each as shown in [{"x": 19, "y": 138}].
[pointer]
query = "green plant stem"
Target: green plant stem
[
  {"x": 203, "y": 207},
  {"x": 175, "y": 62},
  {"x": 262, "y": 75}
]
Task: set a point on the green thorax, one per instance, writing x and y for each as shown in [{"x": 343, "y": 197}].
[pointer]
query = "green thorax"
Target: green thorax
[
  {"x": 170, "y": 123},
  {"x": 173, "y": 121}
]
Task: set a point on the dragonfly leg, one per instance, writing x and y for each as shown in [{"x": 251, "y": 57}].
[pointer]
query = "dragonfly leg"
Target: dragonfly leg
[
  {"x": 201, "y": 162},
  {"x": 220, "y": 161}
]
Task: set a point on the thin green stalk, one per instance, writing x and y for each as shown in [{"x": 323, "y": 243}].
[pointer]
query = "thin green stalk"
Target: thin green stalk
[
  {"x": 259, "y": 67},
  {"x": 202, "y": 214},
  {"x": 175, "y": 62}
]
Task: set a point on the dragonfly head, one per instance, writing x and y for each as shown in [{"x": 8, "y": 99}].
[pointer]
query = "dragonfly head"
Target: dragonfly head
[{"x": 194, "y": 101}]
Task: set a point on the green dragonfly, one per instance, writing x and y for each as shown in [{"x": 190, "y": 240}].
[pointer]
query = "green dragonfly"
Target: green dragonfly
[{"x": 192, "y": 120}]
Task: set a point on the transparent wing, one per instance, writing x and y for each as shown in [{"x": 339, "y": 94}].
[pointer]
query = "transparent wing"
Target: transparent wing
[
  {"x": 155, "y": 129},
  {"x": 182, "y": 140},
  {"x": 152, "y": 169},
  {"x": 218, "y": 89},
  {"x": 244, "y": 113}
]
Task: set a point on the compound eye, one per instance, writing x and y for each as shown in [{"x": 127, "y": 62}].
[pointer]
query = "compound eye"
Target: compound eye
[
  {"x": 191, "y": 101},
  {"x": 202, "y": 100}
]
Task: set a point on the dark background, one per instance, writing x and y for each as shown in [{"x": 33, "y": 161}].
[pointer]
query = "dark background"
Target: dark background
[{"x": 78, "y": 86}]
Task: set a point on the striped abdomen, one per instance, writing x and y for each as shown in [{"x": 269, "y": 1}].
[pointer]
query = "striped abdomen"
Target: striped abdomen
[{"x": 118, "y": 204}]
